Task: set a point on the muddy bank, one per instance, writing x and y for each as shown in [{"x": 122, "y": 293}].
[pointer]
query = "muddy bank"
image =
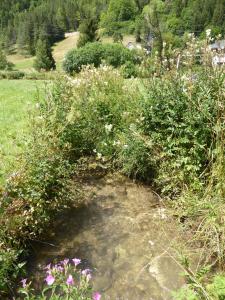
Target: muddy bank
[{"x": 124, "y": 234}]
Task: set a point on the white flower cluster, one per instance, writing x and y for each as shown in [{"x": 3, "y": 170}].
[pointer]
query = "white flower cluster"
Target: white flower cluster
[{"x": 108, "y": 128}]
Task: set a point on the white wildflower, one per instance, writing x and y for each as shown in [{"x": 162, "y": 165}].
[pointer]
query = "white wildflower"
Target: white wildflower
[
  {"x": 99, "y": 155},
  {"x": 108, "y": 128},
  {"x": 208, "y": 32}
]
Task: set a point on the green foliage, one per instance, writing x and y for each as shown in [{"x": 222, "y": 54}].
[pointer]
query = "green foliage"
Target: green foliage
[
  {"x": 88, "y": 31},
  {"x": 217, "y": 287},
  {"x": 36, "y": 190},
  {"x": 196, "y": 291},
  {"x": 117, "y": 55},
  {"x": 4, "y": 64},
  {"x": 11, "y": 75},
  {"x": 96, "y": 53},
  {"x": 117, "y": 37},
  {"x": 44, "y": 60},
  {"x": 88, "y": 55},
  {"x": 119, "y": 11},
  {"x": 129, "y": 70}
]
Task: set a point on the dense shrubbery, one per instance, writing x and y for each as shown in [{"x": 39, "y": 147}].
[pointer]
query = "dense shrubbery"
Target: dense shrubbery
[
  {"x": 34, "y": 192},
  {"x": 97, "y": 53},
  {"x": 168, "y": 130}
]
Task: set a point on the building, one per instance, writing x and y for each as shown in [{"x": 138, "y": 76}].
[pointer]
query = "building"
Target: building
[{"x": 218, "y": 49}]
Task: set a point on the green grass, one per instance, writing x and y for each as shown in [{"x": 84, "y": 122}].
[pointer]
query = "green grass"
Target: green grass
[{"x": 17, "y": 98}]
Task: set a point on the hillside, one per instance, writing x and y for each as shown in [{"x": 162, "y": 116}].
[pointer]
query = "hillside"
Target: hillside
[
  {"x": 25, "y": 63},
  {"x": 25, "y": 22}
]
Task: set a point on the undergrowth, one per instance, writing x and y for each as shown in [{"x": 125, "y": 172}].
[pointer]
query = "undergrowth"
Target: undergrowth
[{"x": 167, "y": 130}]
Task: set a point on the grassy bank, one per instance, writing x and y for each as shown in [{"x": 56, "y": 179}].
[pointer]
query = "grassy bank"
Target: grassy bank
[{"x": 17, "y": 100}]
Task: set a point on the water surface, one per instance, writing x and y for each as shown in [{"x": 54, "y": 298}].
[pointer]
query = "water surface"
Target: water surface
[{"x": 124, "y": 234}]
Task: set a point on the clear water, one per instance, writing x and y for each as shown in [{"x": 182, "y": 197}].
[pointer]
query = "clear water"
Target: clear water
[{"x": 124, "y": 235}]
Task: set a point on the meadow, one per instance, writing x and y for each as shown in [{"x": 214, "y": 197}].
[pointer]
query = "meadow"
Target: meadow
[{"x": 17, "y": 100}]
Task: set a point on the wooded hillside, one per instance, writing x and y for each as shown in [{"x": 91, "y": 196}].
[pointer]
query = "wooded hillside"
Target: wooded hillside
[{"x": 22, "y": 22}]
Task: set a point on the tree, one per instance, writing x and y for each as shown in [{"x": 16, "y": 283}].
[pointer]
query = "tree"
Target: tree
[
  {"x": 219, "y": 16},
  {"x": 119, "y": 11},
  {"x": 88, "y": 31},
  {"x": 44, "y": 59},
  {"x": 4, "y": 64},
  {"x": 153, "y": 23}
]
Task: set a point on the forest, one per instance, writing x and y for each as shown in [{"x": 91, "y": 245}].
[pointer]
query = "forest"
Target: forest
[{"x": 23, "y": 22}]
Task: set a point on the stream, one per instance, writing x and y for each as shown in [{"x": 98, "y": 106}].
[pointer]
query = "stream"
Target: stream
[{"x": 124, "y": 234}]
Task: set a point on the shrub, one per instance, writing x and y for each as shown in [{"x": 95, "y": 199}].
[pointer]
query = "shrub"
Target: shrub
[
  {"x": 40, "y": 76},
  {"x": 11, "y": 75},
  {"x": 129, "y": 70},
  {"x": 95, "y": 53},
  {"x": 90, "y": 54},
  {"x": 35, "y": 191},
  {"x": 117, "y": 55}
]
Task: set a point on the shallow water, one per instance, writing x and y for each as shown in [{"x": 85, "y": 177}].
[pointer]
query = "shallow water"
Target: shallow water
[{"x": 124, "y": 234}]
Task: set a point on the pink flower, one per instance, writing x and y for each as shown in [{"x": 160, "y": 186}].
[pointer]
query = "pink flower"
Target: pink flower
[
  {"x": 59, "y": 268},
  {"x": 50, "y": 279},
  {"x": 65, "y": 261},
  {"x": 70, "y": 280},
  {"x": 48, "y": 267},
  {"x": 88, "y": 277},
  {"x": 76, "y": 261},
  {"x": 96, "y": 296},
  {"x": 24, "y": 283},
  {"x": 86, "y": 272}
]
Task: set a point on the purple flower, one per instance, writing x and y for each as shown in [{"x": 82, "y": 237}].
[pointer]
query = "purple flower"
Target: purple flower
[
  {"x": 59, "y": 268},
  {"x": 76, "y": 261},
  {"x": 96, "y": 296},
  {"x": 24, "y": 283},
  {"x": 86, "y": 272},
  {"x": 70, "y": 280},
  {"x": 65, "y": 261},
  {"x": 50, "y": 279},
  {"x": 48, "y": 267}
]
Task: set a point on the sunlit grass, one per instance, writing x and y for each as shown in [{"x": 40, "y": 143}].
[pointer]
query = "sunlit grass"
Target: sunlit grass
[{"x": 17, "y": 99}]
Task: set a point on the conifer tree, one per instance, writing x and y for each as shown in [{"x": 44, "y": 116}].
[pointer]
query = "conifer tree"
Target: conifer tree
[
  {"x": 44, "y": 59},
  {"x": 4, "y": 64},
  {"x": 88, "y": 31}
]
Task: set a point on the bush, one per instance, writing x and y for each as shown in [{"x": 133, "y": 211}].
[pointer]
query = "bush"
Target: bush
[
  {"x": 37, "y": 190},
  {"x": 90, "y": 54},
  {"x": 11, "y": 75},
  {"x": 95, "y": 53},
  {"x": 117, "y": 55},
  {"x": 129, "y": 70},
  {"x": 40, "y": 75}
]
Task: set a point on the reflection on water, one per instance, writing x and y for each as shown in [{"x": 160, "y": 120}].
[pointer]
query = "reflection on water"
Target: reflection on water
[{"x": 123, "y": 235}]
